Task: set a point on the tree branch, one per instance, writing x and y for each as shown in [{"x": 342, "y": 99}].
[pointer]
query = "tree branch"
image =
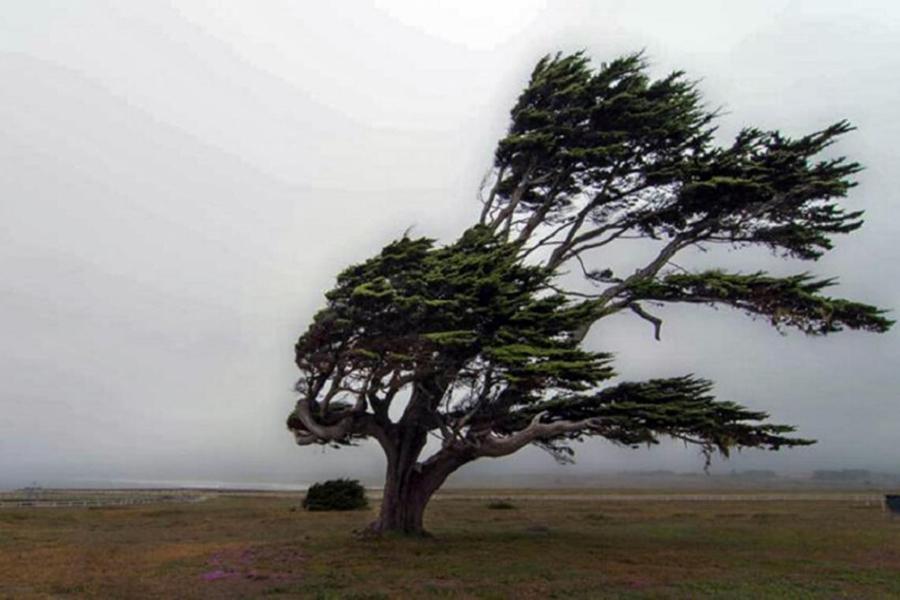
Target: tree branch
[
  {"x": 324, "y": 433},
  {"x": 489, "y": 444},
  {"x": 655, "y": 321}
]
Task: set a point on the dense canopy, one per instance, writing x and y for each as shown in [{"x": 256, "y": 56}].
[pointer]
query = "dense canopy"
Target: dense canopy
[{"x": 479, "y": 342}]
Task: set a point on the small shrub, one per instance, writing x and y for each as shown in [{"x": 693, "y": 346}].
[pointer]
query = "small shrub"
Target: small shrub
[
  {"x": 500, "y": 505},
  {"x": 336, "y": 494}
]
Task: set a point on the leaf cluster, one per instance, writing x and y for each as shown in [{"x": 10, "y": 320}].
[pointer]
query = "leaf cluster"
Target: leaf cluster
[
  {"x": 684, "y": 408},
  {"x": 416, "y": 309},
  {"x": 793, "y": 301}
]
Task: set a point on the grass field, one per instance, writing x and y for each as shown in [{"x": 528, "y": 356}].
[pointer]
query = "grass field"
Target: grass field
[{"x": 548, "y": 545}]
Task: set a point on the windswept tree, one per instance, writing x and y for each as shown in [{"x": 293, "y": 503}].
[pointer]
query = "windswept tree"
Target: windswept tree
[{"x": 479, "y": 342}]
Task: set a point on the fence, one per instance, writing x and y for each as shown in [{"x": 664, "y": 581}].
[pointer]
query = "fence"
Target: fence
[{"x": 96, "y": 501}]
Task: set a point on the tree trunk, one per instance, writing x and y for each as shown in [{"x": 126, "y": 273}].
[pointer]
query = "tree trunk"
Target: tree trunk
[
  {"x": 402, "y": 511},
  {"x": 409, "y": 485},
  {"x": 403, "y": 503}
]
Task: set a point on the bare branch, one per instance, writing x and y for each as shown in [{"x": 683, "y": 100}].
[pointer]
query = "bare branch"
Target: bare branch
[
  {"x": 327, "y": 433},
  {"x": 537, "y": 217},
  {"x": 547, "y": 240},
  {"x": 507, "y": 213},
  {"x": 489, "y": 203},
  {"x": 304, "y": 439},
  {"x": 651, "y": 269},
  {"x": 656, "y": 321},
  {"x": 559, "y": 290},
  {"x": 496, "y": 446},
  {"x": 575, "y": 250}
]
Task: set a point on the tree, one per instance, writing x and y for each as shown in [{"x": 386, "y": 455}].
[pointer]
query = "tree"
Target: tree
[{"x": 479, "y": 342}]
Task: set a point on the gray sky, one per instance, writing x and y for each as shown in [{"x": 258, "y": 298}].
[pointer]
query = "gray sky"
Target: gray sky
[{"x": 181, "y": 182}]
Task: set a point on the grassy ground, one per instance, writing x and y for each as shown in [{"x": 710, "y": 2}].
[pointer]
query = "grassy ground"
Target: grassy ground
[{"x": 583, "y": 546}]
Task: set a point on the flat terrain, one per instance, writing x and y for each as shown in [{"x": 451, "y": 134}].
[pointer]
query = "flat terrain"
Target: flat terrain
[{"x": 552, "y": 544}]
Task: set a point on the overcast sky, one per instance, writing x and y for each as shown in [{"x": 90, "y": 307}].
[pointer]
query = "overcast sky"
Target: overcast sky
[{"x": 181, "y": 181}]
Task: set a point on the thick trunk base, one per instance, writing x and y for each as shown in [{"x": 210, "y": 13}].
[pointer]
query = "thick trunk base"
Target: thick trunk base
[
  {"x": 400, "y": 515},
  {"x": 376, "y": 529},
  {"x": 410, "y": 484}
]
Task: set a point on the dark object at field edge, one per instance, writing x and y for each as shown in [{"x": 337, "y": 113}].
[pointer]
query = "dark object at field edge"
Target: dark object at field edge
[{"x": 336, "y": 494}]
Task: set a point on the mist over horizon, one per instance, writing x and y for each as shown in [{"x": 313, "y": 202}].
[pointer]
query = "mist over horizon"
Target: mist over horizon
[{"x": 182, "y": 182}]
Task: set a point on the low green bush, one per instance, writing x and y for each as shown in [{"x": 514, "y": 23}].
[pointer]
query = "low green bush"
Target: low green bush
[{"x": 336, "y": 494}]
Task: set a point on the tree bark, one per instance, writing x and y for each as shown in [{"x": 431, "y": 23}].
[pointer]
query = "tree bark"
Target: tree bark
[
  {"x": 402, "y": 510},
  {"x": 409, "y": 484}
]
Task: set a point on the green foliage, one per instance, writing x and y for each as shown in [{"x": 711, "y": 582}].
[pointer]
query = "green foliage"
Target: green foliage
[
  {"x": 336, "y": 494},
  {"x": 572, "y": 125},
  {"x": 500, "y": 505},
  {"x": 683, "y": 408},
  {"x": 486, "y": 335},
  {"x": 425, "y": 309},
  {"x": 643, "y": 151},
  {"x": 792, "y": 301}
]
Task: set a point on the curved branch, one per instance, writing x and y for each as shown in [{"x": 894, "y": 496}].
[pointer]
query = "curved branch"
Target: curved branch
[
  {"x": 304, "y": 439},
  {"x": 323, "y": 433},
  {"x": 656, "y": 321},
  {"x": 307, "y": 430},
  {"x": 496, "y": 446}
]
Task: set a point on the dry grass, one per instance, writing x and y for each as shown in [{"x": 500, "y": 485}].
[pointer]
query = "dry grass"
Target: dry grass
[{"x": 584, "y": 546}]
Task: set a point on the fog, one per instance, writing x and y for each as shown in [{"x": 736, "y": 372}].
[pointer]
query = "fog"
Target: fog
[{"x": 182, "y": 181}]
